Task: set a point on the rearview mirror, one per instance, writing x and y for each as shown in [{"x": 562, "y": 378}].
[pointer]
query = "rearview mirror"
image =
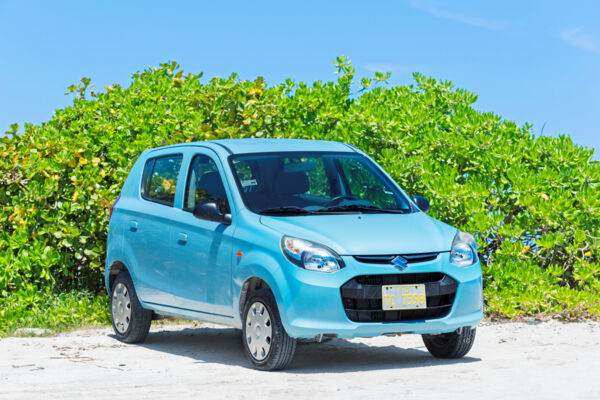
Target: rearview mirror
[
  {"x": 210, "y": 211},
  {"x": 422, "y": 203}
]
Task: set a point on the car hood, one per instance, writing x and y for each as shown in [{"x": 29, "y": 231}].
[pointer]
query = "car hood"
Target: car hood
[{"x": 368, "y": 234}]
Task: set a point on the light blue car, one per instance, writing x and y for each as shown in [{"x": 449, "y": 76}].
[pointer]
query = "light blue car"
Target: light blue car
[{"x": 286, "y": 239}]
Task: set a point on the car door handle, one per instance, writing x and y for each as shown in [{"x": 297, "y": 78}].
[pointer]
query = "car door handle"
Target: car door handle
[
  {"x": 133, "y": 226},
  {"x": 182, "y": 238}
]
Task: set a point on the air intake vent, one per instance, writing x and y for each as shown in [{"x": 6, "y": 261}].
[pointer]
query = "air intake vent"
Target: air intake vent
[
  {"x": 410, "y": 258},
  {"x": 361, "y": 297}
]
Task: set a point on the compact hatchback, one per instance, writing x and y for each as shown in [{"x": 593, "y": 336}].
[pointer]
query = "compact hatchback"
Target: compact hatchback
[{"x": 286, "y": 239}]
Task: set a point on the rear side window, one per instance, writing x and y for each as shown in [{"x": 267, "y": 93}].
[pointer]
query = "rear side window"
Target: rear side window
[{"x": 160, "y": 179}]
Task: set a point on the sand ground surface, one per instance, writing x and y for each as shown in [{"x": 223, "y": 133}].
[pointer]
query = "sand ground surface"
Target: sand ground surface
[{"x": 549, "y": 360}]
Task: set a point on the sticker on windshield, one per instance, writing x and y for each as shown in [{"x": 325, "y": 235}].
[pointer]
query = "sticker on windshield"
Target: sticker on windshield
[{"x": 249, "y": 182}]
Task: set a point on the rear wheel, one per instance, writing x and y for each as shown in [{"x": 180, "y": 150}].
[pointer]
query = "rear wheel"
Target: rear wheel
[
  {"x": 450, "y": 345},
  {"x": 267, "y": 344},
  {"x": 130, "y": 321}
]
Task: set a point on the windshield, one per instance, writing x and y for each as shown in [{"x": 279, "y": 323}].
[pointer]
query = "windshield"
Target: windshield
[{"x": 297, "y": 183}]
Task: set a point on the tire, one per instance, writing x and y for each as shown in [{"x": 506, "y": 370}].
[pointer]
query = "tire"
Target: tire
[
  {"x": 130, "y": 321},
  {"x": 267, "y": 344},
  {"x": 450, "y": 345}
]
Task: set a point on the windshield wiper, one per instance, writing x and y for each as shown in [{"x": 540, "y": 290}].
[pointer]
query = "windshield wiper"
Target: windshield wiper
[
  {"x": 360, "y": 207},
  {"x": 287, "y": 210}
]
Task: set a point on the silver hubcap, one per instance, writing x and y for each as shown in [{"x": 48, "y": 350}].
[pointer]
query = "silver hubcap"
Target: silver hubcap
[
  {"x": 121, "y": 308},
  {"x": 258, "y": 331}
]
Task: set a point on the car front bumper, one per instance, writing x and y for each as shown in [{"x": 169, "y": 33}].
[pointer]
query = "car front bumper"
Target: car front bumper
[{"x": 313, "y": 305}]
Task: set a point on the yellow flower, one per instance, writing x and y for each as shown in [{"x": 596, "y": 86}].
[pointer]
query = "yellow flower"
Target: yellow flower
[
  {"x": 13, "y": 215},
  {"x": 166, "y": 184},
  {"x": 82, "y": 161},
  {"x": 75, "y": 196},
  {"x": 257, "y": 92}
]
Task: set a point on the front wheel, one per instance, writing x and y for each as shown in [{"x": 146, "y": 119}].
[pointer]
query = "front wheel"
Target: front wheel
[
  {"x": 450, "y": 345},
  {"x": 267, "y": 344}
]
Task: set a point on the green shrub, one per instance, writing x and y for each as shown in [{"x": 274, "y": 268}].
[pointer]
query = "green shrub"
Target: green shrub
[
  {"x": 57, "y": 312},
  {"x": 532, "y": 202}
]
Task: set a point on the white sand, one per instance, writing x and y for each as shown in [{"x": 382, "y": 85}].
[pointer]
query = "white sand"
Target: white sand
[{"x": 550, "y": 360}]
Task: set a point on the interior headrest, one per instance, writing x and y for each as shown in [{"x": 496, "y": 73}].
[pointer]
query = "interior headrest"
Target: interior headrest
[
  {"x": 212, "y": 183},
  {"x": 291, "y": 183}
]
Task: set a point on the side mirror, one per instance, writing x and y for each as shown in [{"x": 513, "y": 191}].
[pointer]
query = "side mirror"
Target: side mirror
[
  {"x": 210, "y": 211},
  {"x": 422, "y": 203}
]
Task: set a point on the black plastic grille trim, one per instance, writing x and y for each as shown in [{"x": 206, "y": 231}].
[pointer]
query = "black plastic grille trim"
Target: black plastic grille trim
[
  {"x": 361, "y": 297},
  {"x": 410, "y": 258}
]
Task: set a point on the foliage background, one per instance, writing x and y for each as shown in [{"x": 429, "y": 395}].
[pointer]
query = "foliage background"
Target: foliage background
[{"x": 532, "y": 202}]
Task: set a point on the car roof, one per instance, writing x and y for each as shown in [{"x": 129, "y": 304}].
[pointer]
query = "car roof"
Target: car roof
[{"x": 244, "y": 146}]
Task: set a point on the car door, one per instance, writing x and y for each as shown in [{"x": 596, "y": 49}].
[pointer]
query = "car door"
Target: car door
[
  {"x": 202, "y": 250},
  {"x": 148, "y": 230}
]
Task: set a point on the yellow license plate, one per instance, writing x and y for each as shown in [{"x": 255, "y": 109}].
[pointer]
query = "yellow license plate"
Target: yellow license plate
[{"x": 403, "y": 297}]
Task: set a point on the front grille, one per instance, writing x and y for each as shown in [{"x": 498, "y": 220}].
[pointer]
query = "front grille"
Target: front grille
[
  {"x": 361, "y": 297},
  {"x": 410, "y": 258}
]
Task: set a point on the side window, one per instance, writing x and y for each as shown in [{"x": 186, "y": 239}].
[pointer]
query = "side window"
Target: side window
[
  {"x": 365, "y": 185},
  {"x": 204, "y": 184},
  {"x": 160, "y": 179},
  {"x": 146, "y": 178}
]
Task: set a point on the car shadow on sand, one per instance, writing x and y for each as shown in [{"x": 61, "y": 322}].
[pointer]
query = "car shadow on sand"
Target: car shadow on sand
[{"x": 224, "y": 346}]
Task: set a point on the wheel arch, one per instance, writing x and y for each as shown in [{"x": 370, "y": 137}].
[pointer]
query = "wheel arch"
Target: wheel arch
[
  {"x": 251, "y": 285},
  {"x": 115, "y": 269}
]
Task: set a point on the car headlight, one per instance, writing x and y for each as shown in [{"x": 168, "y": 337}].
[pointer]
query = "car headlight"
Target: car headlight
[
  {"x": 464, "y": 250},
  {"x": 311, "y": 256}
]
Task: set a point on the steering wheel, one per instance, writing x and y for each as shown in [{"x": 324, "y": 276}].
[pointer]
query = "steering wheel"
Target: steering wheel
[{"x": 338, "y": 199}]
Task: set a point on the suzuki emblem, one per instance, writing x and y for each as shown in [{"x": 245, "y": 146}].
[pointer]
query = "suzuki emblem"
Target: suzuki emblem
[{"x": 400, "y": 263}]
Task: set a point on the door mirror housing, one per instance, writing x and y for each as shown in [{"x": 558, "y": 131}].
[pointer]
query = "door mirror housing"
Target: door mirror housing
[
  {"x": 422, "y": 203},
  {"x": 210, "y": 211}
]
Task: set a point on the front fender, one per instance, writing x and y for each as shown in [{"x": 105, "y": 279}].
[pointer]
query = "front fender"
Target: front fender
[{"x": 257, "y": 264}]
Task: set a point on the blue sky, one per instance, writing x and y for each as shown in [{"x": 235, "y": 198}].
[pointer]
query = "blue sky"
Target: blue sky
[{"x": 529, "y": 61}]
